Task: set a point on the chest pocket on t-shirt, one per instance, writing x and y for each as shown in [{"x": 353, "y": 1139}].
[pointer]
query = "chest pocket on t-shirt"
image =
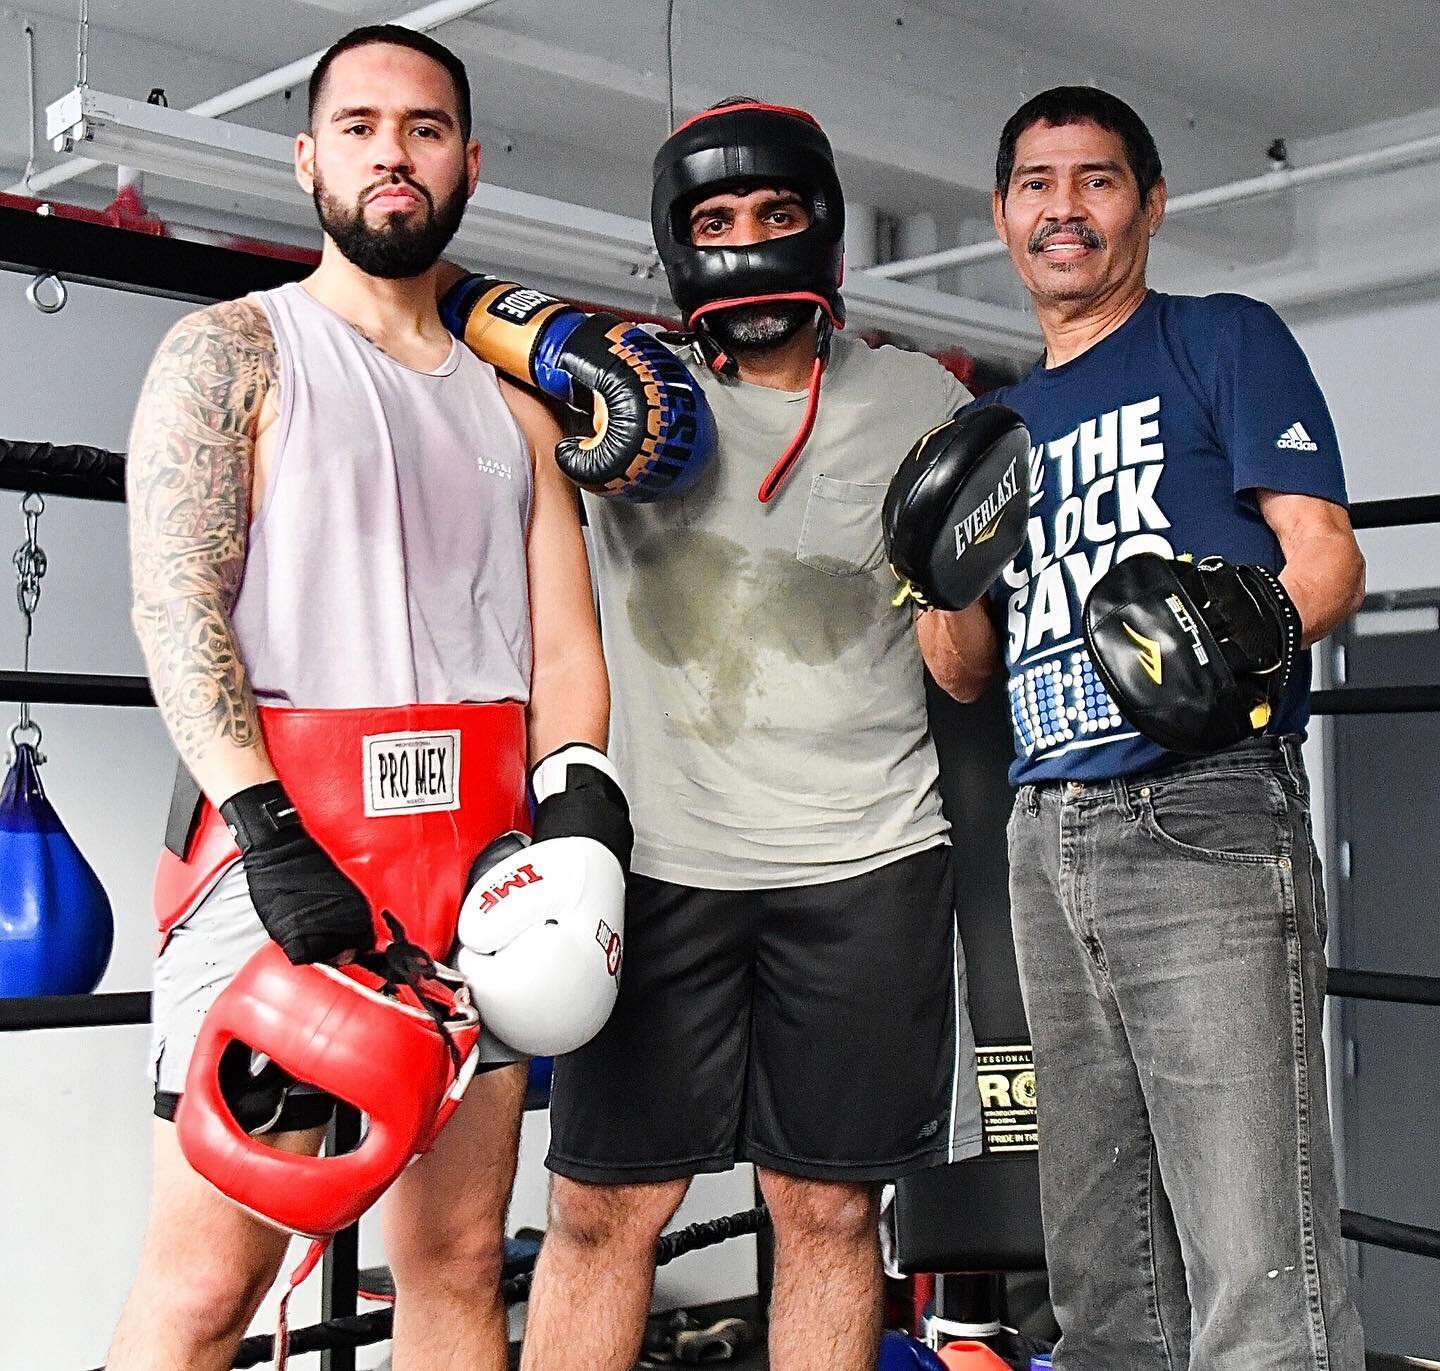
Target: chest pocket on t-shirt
[{"x": 840, "y": 534}]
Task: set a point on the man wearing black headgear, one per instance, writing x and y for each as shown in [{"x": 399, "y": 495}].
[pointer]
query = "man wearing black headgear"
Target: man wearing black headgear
[{"x": 794, "y": 990}]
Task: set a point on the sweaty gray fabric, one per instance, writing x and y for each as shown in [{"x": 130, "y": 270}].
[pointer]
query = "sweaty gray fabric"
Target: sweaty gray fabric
[
  {"x": 767, "y": 713},
  {"x": 387, "y": 559}
]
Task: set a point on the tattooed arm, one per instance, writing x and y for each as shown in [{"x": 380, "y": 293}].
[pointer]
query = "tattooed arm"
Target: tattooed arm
[{"x": 188, "y": 478}]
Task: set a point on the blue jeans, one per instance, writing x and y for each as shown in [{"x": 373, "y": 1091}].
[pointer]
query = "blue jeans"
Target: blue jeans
[{"x": 1170, "y": 930}]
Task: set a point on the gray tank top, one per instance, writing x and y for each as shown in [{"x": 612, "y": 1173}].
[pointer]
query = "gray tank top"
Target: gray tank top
[{"x": 386, "y": 563}]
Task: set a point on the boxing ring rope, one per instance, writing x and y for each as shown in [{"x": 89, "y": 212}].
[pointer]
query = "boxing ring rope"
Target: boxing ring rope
[
  {"x": 115, "y": 1009},
  {"x": 92, "y": 473},
  {"x": 89, "y": 473},
  {"x": 362, "y": 1330},
  {"x": 74, "y": 688},
  {"x": 119, "y": 1009},
  {"x": 1396, "y": 513}
]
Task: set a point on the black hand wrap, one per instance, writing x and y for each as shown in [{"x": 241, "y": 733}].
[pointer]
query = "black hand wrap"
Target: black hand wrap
[
  {"x": 307, "y": 904},
  {"x": 1195, "y": 655}
]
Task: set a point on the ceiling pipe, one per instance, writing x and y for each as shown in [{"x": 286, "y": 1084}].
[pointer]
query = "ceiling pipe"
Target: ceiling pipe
[
  {"x": 250, "y": 92},
  {"x": 1397, "y": 155}
]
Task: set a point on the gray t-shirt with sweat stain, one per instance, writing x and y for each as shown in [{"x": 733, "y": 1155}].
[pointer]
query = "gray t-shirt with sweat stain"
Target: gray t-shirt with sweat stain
[{"x": 768, "y": 711}]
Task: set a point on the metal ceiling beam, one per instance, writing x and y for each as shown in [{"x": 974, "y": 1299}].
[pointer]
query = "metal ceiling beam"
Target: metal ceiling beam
[{"x": 1392, "y": 157}]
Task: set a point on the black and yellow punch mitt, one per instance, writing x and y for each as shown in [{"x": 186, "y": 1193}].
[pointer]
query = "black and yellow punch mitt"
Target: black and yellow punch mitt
[{"x": 1196, "y": 655}]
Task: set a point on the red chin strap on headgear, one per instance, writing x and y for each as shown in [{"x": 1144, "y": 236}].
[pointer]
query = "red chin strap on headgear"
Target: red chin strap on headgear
[
  {"x": 395, "y": 1038},
  {"x": 775, "y": 478}
]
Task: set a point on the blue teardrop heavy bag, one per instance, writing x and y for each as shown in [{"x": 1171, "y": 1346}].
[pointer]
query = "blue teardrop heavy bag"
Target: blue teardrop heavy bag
[{"x": 56, "y": 929}]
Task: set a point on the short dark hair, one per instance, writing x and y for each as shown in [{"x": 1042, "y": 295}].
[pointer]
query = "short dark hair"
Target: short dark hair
[
  {"x": 1078, "y": 104},
  {"x": 398, "y": 37}
]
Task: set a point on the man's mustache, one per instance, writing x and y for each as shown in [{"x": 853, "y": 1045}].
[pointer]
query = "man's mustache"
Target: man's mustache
[
  {"x": 1046, "y": 232},
  {"x": 397, "y": 178}
]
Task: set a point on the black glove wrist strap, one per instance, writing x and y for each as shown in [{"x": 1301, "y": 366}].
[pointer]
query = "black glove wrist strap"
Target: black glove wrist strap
[
  {"x": 1291, "y": 628},
  {"x": 591, "y": 806},
  {"x": 257, "y": 814}
]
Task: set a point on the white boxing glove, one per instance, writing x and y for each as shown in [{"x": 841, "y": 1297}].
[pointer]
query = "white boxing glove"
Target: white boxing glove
[{"x": 542, "y": 926}]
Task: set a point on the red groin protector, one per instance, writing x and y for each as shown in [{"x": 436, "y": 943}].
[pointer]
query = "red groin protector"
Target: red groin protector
[{"x": 402, "y": 799}]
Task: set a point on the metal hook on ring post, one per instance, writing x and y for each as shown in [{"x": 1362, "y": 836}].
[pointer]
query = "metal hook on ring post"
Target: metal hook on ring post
[{"x": 59, "y": 298}]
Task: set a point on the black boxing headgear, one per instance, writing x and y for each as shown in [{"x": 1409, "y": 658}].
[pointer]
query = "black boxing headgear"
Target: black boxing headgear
[{"x": 758, "y": 144}]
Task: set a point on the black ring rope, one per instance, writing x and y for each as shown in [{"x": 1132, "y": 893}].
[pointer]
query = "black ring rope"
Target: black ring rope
[
  {"x": 87, "y": 473},
  {"x": 363, "y": 1329},
  {"x": 1411, "y": 509},
  {"x": 93, "y": 473},
  {"x": 1399, "y": 1237},
  {"x": 98, "y": 474},
  {"x": 1376, "y": 700},
  {"x": 120, "y": 1009},
  {"x": 1383, "y": 985},
  {"x": 74, "y": 688},
  {"x": 356, "y": 1330},
  {"x": 116, "y": 1009},
  {"x": 79, "y": 688}
]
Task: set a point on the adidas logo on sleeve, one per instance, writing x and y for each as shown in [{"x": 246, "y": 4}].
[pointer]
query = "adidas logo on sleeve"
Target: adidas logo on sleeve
[{"x": 1297, "y": 439}]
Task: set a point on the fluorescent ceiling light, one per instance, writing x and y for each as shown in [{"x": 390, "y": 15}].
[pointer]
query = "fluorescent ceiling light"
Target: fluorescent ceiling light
[
  {"x": 167, "y": 142},
  {"x": 232, "y": 157}
]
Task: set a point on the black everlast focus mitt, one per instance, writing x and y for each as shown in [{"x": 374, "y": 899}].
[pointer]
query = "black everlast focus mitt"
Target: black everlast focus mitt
[
  {"x": 956, "y": 510},
  {"x": 1195, "y": 655}
]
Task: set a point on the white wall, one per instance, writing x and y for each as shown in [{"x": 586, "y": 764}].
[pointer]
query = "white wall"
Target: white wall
[
  {"x": 1377, "y": 364},
  {"x": 74, "y": 1155},
  {"x": 73, "y": 1177}
]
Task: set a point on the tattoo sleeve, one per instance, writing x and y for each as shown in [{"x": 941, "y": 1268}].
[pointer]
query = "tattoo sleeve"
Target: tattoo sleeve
[{"x": 188, "y": 478}]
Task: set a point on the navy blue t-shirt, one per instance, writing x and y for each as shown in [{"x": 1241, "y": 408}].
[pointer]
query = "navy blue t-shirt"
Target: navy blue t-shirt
[{"x": 1154, "y": 440}]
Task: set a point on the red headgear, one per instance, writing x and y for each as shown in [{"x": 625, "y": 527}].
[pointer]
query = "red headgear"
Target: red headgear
[{"x": 399, "y": 1047}]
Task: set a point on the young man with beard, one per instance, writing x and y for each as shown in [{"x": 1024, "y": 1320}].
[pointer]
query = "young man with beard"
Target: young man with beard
[
  {"x": 335, "y": 508},
  {"x": 794, "y": 991},
  {"x": 1169, "y": 910}
]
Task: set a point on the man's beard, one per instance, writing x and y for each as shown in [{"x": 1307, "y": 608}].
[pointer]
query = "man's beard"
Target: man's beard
[
  {"x": 756, "y": 328},
  {"x": 402, "y": 245}
]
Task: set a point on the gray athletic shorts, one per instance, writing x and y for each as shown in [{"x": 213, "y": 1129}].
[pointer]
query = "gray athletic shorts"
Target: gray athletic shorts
[{"x": 202, "y": 954}]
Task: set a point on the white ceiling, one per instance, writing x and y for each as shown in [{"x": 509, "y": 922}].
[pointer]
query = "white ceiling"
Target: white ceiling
[
  {"x": 1299, "y": 67},
  {"x": 1304, "y": 66},
  {"x": 571, "y": 99}
]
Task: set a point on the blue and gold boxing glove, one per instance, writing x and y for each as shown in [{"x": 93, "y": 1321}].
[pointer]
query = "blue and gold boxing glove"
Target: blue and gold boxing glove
[{"x": 653, "y": 428}]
